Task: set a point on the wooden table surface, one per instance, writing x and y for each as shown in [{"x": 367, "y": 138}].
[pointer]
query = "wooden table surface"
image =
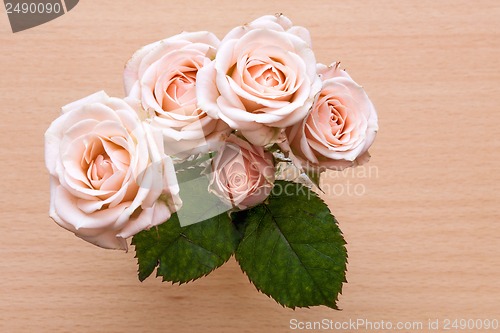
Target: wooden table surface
[{"x": 422, "y": 219}]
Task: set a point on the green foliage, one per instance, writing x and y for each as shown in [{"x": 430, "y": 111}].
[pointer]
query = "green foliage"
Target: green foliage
[
  {"x": 292, "y": 248},
  {"x": 183, "y": 254}
]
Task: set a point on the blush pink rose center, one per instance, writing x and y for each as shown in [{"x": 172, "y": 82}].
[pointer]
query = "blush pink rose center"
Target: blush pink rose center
[
  {"x": 110, "y": 178},
  {"x": 163, "y": 76},
  {"x": 341, "y": 126},
  {"x": 263, "y": 79},
  {"x": 181, "y": 90},
  {"x": 242, "y": 174},
  {"x": 106, "y": 163}
]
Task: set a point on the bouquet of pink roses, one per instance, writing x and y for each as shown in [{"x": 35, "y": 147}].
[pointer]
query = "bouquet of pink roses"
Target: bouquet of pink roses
[{"x": 214, "y": 152}]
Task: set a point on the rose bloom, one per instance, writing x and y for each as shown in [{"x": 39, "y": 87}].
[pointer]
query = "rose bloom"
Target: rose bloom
[
  {"x": 262, "y": 79},
  {"x": 340, "y": 128},
  {"x": 162, "y": 76},
  {"x": 109, "y": 177},
  {"x": 242, "y": 174}
]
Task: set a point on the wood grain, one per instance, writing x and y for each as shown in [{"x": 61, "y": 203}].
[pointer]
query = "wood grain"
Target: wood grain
[{"x": 423, "y": 234}]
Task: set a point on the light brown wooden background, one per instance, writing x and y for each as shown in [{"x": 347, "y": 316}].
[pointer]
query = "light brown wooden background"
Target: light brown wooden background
[{"x": 423, "y": 238}]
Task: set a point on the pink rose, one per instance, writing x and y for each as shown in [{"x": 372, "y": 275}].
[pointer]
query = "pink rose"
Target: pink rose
[
  {"x": 262, "y": 79},
  {"x": 162, "y": 76},
  {"x": 109, "y": 177},
  {"x": 340, "y": 128},
  {"x": 242, "y": 174}
]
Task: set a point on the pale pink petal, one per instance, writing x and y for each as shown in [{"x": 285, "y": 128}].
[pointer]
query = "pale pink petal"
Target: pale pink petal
[
  {"x": 65, "y": 205},
  {"x": 262, "y": 135},
  {"x": 131, "y": 72},
  {"x": 206, "y": 91},
  {"x": 97, "y": 97}
]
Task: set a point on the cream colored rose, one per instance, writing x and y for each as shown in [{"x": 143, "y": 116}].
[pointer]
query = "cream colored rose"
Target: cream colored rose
[
  {"x": 242, "y": 175},
  {"x": 262, "y": 79},
  {"x": 340, "y": 128},
  {"x": 109, "y": 176},
  {"x": 162, "y": 76}
]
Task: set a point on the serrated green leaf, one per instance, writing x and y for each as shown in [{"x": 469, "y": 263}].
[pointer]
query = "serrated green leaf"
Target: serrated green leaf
[
  {"x": 293, "y": 249},
  {"x": 183, "y": 254}
]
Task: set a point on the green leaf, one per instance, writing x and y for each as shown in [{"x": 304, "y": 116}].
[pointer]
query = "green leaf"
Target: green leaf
[
  {"x": 292, "y": 249},
  {"x": 183, "y": 254}
]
